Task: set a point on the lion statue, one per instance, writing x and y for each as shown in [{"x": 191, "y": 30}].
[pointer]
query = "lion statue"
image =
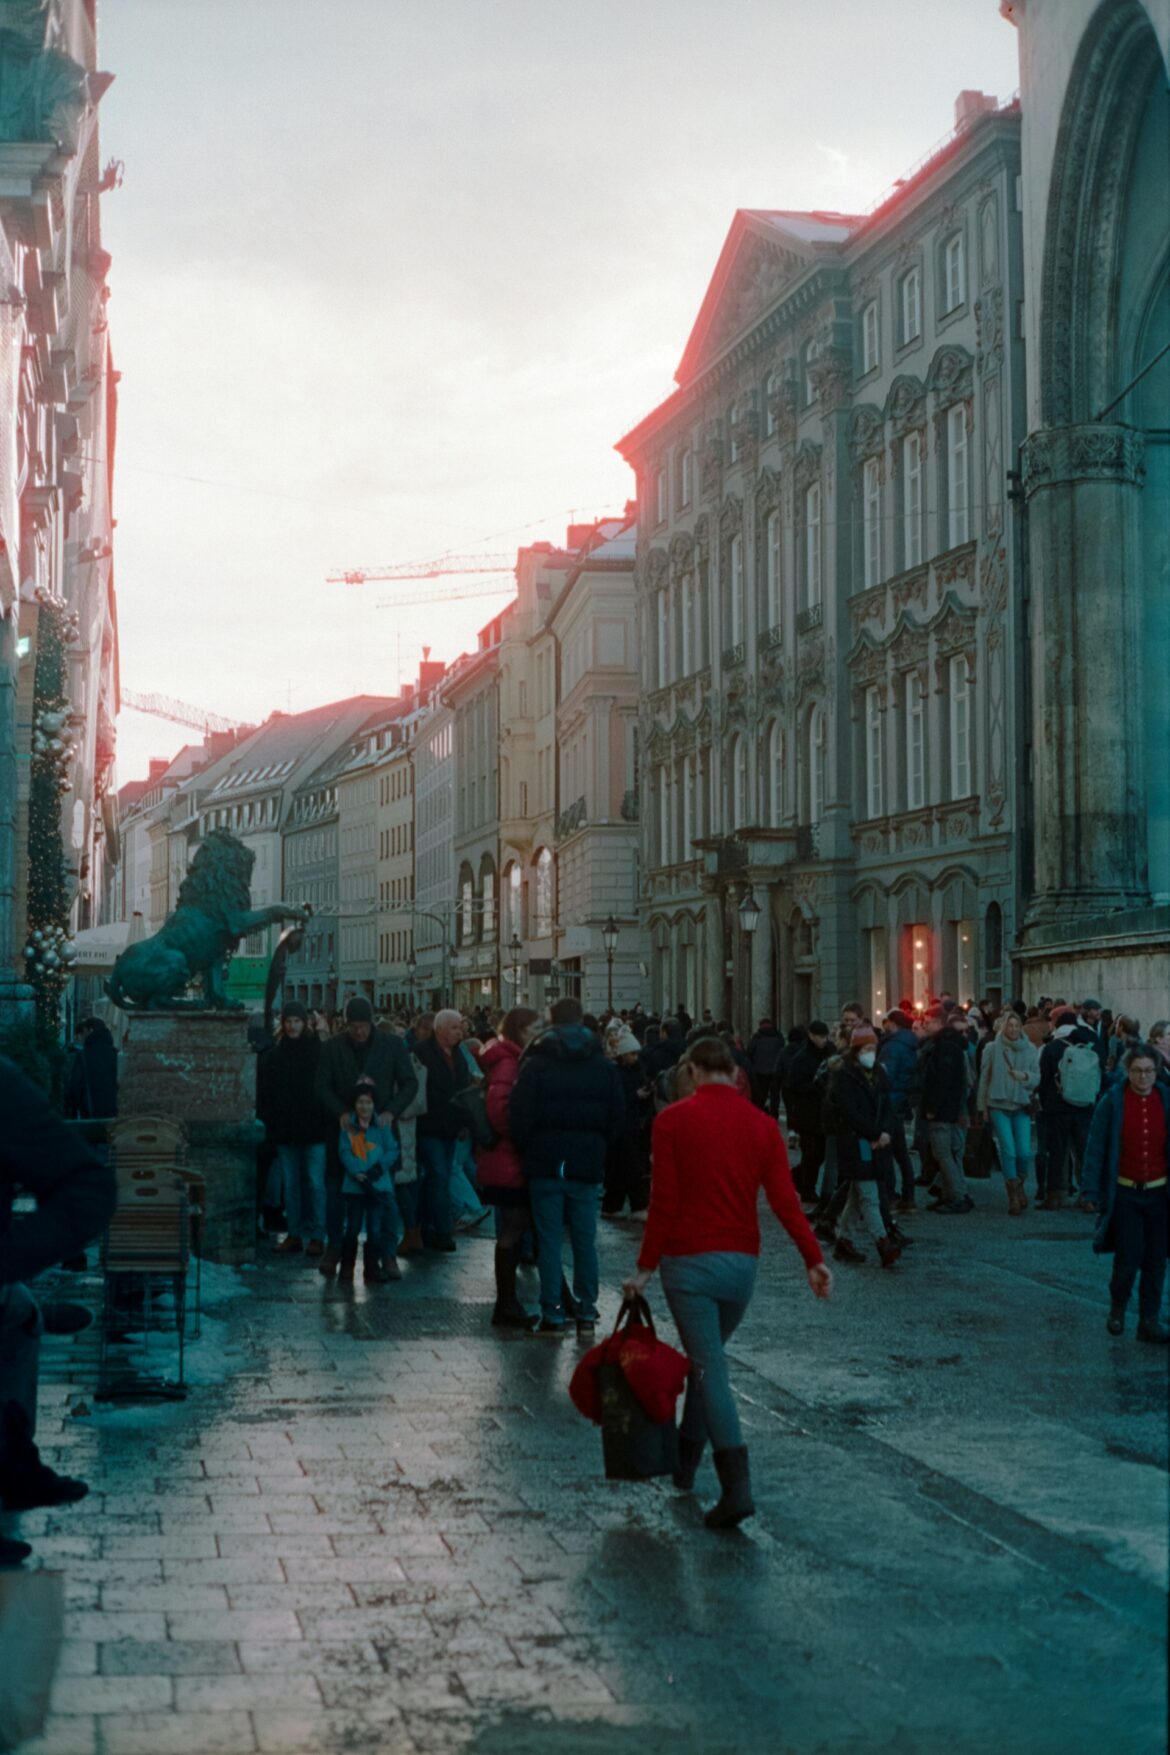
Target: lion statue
[{"x": 210, "y": 919}]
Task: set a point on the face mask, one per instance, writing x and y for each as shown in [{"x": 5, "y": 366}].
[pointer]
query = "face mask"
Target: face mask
[{"x": 867, "y": 1057}]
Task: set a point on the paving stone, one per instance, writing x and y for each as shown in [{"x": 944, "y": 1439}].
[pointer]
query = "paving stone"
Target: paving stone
[
  {"x": 64, "y": 1736},
  {"x": 169, "y": 1657},
  {"x": 232, "y": 1624},
  {"x": 246, "y": 1693},
  {"x": 330, "y": 1733},
  {"x": 311, "y": 1657},
  {"x": 105, "y": 1694},
  {"x": 153, "y": 1733}
]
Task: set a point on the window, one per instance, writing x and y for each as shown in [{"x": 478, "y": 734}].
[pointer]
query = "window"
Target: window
[
  {"x": 735, "y": 589},
  {"x": 468, "y": 911},
  {"x": 873, "y": 752},
  {"x": 870, "y": 354},
  {"x": 912, "y": 500},
  {"x": 816, "y": 764},
  {"x": 771, "y": 391},
  {"x": 688, "y": 803},
  {"x": 917, "y": 952},
  {"x": 958, "y": 524},
  {"x": 772, "y": 570},
  {"x": 663, "y": 641},
  {"x": 515, "y": 899},
  {"x": 738, "y": 783},
  {"x": 686, "y": 611},
  {"x": 523, "y": 699},
  {"x": 775, "y": 775},
  {"x": 963, "y": 959},
  {"x": 489, "y": 903},
  {"x": 812, "y": 545},
  {"x": 960, "y": 694},
  {"x": 915, "y": 757},
  {"x": 660, "y": 497},
  {"x": 808, "y": 389},
  {"x": 733, "y": 445},
  {"x": 879, "y": 1003},
  {"x": 544, "y": 893},
  {"x": 663, "y": 817},
  {"x": 954, "y": 273},
  {"x": 685, "y": 476},
  {"x": 523, "y": 798},
  {"x": 872, "y": 514},
  {"x": 910, "y": 287}
]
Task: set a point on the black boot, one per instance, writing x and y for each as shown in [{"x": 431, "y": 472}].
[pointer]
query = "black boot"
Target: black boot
[
  {"x": 371, "y": 1267},
  {"x": 27, "y": 1483},
  {"x": 348, "y": 1263},
  {"x": 690, "y": 1455},
  {"x": 735, "y": 1501}
]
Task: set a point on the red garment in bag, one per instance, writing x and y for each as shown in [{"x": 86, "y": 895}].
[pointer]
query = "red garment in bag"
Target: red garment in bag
[{"x": 654, "y": 1371}]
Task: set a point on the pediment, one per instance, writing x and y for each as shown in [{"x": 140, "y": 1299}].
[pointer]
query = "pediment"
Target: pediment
[{"x": 757, "y": 265}]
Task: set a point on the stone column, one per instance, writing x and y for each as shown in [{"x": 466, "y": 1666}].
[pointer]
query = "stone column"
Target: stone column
[
  {"x": 761, "y": 995},
  {"x": 713, "y": 959},
  {"x": 1082, "y": 485}
]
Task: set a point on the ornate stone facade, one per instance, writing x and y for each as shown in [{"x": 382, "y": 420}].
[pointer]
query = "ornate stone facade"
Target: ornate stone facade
[{"x": 823, "y": 576}]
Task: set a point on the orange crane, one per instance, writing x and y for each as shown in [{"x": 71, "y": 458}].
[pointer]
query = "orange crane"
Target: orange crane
[{"x": 179, "y": 712}]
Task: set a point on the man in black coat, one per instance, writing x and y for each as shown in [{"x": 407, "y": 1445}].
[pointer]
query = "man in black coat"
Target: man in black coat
[
  {"x": 803, "y": 1104},
  {"x": 75, "y": 1196},
  {"x": 359, "y": 1053},
  {"x": 946, "y": 1087},
  {"x": 298, "y": 1126},
  {"x": 764, "y": 1052},
  {"x": 439, "y": 1127},
  {"x": 566, "y": 1108}
]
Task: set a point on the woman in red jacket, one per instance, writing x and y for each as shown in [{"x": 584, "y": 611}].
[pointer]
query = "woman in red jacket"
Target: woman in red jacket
[
  {"x": 498, "y": 1168},
  {"x": 711, "y": 1154}
]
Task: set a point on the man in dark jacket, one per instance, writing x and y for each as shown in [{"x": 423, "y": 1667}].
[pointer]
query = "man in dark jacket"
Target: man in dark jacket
[
  {"x": 763, "y": 1057},
  {"x": 358, "y": 1052},
  {"x": 898, "y": 1058},
  {"x": 1067, "y": 1096},
  {"x": 566, "y": 1109},
  {"x": 664, "y": 1053},
  {"x": 439, "y": 1127},
  {"x": 803, "y": 1100},
  {"x": 75, "y": 1196},
  {"x": 946, "y": 1086},
  {"x": 1126, "y": 1166},
  {"x": 298, "y": 1126}
]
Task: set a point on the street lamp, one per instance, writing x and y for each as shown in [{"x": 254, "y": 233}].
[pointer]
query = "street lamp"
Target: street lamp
[
  {"x": 515, "y": 951},
  {"x": 609, "y": 938},
  {"x": 749, "y": 910},
  {"x": 411, "y": 966}
]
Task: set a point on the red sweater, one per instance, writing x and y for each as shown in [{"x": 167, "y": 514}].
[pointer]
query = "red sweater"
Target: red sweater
[
  {"x": 711, "y": 1155},
  {"x": 1143, "y": 1137}
]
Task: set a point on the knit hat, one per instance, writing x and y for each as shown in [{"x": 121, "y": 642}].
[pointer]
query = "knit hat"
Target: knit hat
[
  {"x": 626, "y": 1043},
  {"x": 358, "y": 1010},
  {"x": 862, "y": 1037},
  {"x": 292, "y": 1008}
]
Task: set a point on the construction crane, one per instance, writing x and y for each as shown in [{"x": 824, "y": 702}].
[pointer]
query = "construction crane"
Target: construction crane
[
  {"x": 456, "y": 596},
  {"x": 439, "y": 568},
  {"x": 179, "y": 712}
]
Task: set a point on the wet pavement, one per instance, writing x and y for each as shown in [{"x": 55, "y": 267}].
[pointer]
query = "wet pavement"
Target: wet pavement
[{"x": 378, "y": 1524}]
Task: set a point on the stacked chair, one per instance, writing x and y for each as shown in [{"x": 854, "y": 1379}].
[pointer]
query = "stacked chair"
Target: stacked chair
[{"x": 146, "y": 1250}]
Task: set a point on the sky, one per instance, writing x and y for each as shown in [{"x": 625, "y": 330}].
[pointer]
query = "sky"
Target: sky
[{"x": 391, "y": 278}]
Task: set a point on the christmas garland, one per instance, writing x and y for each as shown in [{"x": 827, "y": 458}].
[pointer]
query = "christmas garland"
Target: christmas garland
[{"x": 49, "y": 952}]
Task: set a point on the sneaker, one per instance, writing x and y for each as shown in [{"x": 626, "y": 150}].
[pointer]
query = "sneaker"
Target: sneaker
[
  {"x": 557, "y": 1329},
  {"x": 888, "y": 1251},
  {"x": 847, "y": 1251},
  {"x": 949, "y": 1207},
  {"x": 291, "y": 1246},
  {"x": 1115, "y": 1321},
  {"x": 40, "y": 1487},
  {"x": 471, "y": 1220},
  {"x": 640, "y": 1217},
  {"x": 900, "y": 1237},
  {"x": 390, "y": 1268},
  {"x": 328, "y": 1262},
  {"x": 906, "y": 1204},
  {"x": 586, "y": 1330},
  {"x": 514, "y": 1316},
  {"x": 606, "y": 1215}
]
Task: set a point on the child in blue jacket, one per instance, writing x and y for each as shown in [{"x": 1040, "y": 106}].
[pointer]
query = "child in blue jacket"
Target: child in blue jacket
[{"x": 368, "y": 1154}]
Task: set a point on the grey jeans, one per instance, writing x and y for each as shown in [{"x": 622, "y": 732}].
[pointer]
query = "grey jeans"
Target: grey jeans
[
  {"x": 20, "y": 1349},
  {"x": 708, "y": 1295},
  {"x": 947, "y": 1141}
]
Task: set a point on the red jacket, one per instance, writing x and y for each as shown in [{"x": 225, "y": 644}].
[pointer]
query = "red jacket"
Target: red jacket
[
  {"x": 499, "y": 1166},
  {"x": 711, "y": 1155}
]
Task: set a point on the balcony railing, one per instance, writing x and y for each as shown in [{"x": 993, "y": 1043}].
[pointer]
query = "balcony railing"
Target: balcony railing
[
  {"x": 810, "y": 618},
  {"x": 771, "y": 638},
  {"x": 733, "y": 655}
]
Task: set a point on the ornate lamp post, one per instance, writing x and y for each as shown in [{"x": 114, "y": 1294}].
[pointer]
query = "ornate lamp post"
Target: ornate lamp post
[
  {"x": 411, "y": 966},
  {"x": 515, "y": 951},
  {"x": 609, "y": 938},
  {"x": 749, "y": 919}
]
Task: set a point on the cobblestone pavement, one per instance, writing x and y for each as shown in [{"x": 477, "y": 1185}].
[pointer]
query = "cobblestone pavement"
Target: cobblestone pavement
[{"x": 386, "y": 1528}]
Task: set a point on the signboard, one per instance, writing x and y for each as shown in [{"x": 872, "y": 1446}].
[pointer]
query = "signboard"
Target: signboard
[{"x": 540, "y": 965}]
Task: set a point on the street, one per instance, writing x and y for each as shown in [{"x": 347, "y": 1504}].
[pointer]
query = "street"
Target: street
[{"x": 387, "y": 1527}]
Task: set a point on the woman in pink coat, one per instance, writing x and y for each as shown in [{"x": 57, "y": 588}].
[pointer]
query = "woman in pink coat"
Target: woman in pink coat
[{"x": 498, "y": 1168}]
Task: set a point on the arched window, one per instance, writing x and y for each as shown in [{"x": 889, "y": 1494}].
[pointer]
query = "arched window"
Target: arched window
[
  {"x": 514, "y": 899},
  {"x": 775, "y": 775},
  {"x": 686, "y": 620},
  {"x": 738, "y": 782},
  {"x": 735, "y": 590},
  {"x": 544, "y": 893},
  {"x": 771, "y": 564}
]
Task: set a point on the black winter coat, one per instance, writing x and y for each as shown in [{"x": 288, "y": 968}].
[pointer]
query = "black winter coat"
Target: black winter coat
[
  {"x": 764, "y": 1052},
  {"x": 92, "y": 1089},
  {"x": 76, "y": 1195},
  {"x": 382, "y": 1058},
  {"x": 865, "y": 1111},
  {"x": 803, "y": 1096},
  {"x": 945, "y": 1085},
  {"x": 566, "y": 1106},
  {"x": 444, "y": 1078},
  {"x": 286, "y": 1093}
]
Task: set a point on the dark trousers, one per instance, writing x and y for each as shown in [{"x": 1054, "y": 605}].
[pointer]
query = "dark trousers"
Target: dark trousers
[
  {"x": 808, "y": 1171},
  {"x": 1064, "y": 1128},
  {"x": 901, "y": 1153},
  {"x": 627, "y": 1174},
  {"x": 1139, "y": 1230}
]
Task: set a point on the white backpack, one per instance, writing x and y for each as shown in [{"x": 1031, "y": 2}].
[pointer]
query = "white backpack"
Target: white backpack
[{"x": 1078, "y": 1075}]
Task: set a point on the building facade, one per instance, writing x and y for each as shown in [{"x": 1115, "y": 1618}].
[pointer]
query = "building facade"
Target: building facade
[
  {"x": 471, "y": 693},
  {"x": 433, "y": 919},
  {"x": 1095, "y": 504},
  {"x": 824, "y": 569},
  {"x": 396, "y": 859}
]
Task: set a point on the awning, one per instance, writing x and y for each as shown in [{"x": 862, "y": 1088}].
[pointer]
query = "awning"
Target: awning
[{"x": 99, "y": 947}]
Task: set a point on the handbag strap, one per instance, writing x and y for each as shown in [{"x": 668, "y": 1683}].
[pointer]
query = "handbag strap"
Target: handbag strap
[{"x": 635, "y": 1307}]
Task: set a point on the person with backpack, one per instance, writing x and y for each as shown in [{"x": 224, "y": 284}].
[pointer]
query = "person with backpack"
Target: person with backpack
[
  {"x": 1008, "y": 1075},
  {"x": 1070, "y": 1083},
  {"x": 499, "y": 1170}
]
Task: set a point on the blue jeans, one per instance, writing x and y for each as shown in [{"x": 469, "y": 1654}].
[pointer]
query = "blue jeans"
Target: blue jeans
[
  {"x": 380, "y": 1214},
  {"x": 708, "y": 1295},
  {"x": 555, "y": 1204},
  {"x": 1011, "y": 1130},
  {"x": 436, "y": 1158},
  {"x": 303, "y": 1171}
]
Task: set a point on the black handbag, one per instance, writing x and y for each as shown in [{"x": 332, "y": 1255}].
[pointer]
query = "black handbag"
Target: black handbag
[
  {"x": 633, "y": 1446},
  {"x": 471, "y": 1104}
]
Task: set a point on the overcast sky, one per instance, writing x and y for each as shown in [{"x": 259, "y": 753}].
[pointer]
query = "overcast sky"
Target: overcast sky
[{"x": 392, "y": 276}]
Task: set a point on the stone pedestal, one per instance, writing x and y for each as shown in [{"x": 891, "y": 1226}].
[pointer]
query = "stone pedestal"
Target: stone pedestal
[{"x": 197, "y": 1068}]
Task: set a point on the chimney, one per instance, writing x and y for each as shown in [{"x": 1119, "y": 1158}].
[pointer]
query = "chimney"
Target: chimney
[
  {"x": 969, "y": 105},
  {"x": 430, "y": 672},
  {"x": 157, "y": 768}
]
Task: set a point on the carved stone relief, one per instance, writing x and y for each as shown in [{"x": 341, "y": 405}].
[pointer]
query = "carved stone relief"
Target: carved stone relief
[
  {"x": 996, "y": 739},
  {"x": 1088, "y": 453},
  {"x": 994, "y": 486},
  {"x": 989, "y": 331}
]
